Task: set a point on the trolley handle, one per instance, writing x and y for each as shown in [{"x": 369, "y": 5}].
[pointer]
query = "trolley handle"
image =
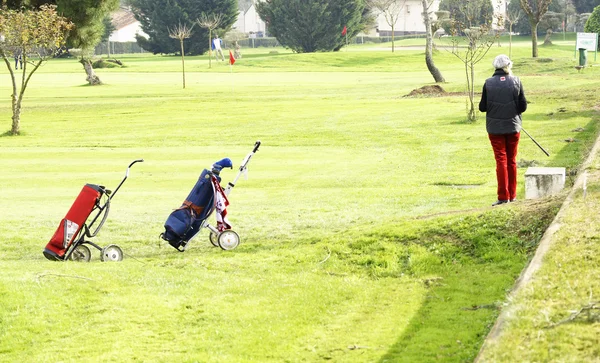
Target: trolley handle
[
  {"x": 135, "y": 161},
  {"x": 126, "y": 175}
]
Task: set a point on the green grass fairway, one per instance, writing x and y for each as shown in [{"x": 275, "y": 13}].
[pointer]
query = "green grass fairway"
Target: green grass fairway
[{"x": 366, "y": 230}]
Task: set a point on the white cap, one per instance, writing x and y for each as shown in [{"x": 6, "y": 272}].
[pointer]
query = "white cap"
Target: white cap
[{"x": 502, "y": 61}]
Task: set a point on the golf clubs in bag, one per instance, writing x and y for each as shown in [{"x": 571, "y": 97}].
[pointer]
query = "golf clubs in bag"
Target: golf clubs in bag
[
  {"x": 206, "y": 196},
  {"x": 69, "y": 241}
]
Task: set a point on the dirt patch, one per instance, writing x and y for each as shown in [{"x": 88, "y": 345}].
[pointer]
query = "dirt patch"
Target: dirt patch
[{"x": 428, "y": 91}]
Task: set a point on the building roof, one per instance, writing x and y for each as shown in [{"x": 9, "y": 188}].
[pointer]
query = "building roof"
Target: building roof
[{"x": 122, "y": 18}]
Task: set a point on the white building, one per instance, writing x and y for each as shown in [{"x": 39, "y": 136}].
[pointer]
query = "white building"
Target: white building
[
  {"x": 248, "y": 20},
  {"x": 126, "y": 26},
  {"x": 410, "y": 18}
]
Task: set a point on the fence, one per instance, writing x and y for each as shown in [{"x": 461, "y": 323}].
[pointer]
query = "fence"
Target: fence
[
  {"x": 118, "y": 48},
  {"x": 267, "y": 42}
]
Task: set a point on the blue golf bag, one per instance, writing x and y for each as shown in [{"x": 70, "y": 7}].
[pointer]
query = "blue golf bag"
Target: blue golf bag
[
  {"x": 183, "y": 224},
  {"x": 186, "y": 221}
]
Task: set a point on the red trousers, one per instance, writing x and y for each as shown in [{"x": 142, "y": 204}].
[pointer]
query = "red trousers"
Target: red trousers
[{"x": 505, "y": 152}]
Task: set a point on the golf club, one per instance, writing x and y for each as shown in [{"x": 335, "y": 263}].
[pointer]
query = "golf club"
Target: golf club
[{"x": 532, "y": 139}]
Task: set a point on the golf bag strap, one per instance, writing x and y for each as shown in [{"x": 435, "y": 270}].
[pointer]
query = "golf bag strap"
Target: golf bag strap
[{"x": 189, "y": 205}]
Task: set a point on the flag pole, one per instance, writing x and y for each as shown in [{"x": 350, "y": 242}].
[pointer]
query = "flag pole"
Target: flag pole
[{"x": 231, "y": 61}]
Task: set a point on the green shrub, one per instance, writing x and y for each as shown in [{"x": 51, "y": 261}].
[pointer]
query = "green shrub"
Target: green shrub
[
  {"x": 107, "y": 63},
  {"x": 592, "y": 25}
]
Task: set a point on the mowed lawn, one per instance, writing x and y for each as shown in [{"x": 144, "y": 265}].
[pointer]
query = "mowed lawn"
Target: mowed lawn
[{"x": 340, "y": 258}]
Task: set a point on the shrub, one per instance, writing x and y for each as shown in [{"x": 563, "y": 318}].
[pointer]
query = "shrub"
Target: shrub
[{"x": 592, "y": 25}]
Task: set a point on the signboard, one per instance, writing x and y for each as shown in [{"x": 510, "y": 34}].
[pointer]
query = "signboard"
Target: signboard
[{"x": 588, "y": 41}]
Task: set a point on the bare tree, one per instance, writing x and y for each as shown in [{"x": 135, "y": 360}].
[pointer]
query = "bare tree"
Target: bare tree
[
  {"x": 534, "y": 10},
  {"x": 181, "y": 32},
  {"x": 210, "y": 22},
  {"x": 435, "y": 72},
  {"x": 512, "y": 17},
  {"x": 391, "y": 10},
  {"x": 479, "y": 41}
]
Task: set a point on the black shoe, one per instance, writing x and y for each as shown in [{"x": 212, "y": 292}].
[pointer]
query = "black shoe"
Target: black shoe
[
  {"x": 513, "y": 200},
  {"x": 498, "y": 202}
]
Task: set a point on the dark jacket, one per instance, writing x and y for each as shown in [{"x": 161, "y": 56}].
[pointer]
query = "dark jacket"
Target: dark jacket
[{"x": 503, "y": 100}]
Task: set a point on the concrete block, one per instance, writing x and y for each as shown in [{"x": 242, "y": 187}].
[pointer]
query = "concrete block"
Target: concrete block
[{"x": 543, "y": 182}]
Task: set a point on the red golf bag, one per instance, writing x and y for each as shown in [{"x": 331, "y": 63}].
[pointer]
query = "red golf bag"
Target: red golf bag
[
  {"x": 69, "y": 228},
  {"x": 72, "y": 237}
]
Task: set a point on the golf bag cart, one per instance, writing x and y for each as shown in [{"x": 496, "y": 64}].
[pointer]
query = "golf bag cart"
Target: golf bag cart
[
  {"x": 206, "y": 197},
  {"x": 69, "y": 241}
]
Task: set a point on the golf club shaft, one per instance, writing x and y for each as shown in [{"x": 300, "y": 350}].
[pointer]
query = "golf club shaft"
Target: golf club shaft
[{"x": 532, "y": 139}]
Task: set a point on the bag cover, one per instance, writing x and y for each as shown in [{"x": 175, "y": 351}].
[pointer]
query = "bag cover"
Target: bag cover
[{"x": 183, "y": 223}]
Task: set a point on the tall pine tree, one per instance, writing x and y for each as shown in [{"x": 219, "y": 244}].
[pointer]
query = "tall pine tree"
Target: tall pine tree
[
  {"x": 307, "y": 26},
  {"x": 158, "y": 16}
]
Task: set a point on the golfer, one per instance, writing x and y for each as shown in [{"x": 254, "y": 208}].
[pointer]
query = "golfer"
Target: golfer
[
  {"x": 503, "y": 100},
  {"x": 217, "y": 46}
]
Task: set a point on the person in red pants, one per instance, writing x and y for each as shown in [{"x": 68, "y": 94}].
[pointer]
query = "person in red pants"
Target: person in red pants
[{"x": 503, "y": 100}]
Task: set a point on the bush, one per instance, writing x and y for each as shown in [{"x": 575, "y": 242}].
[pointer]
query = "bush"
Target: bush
[
  {"x": 592, "y": 25},
  {"x": 107, "y": 63}
]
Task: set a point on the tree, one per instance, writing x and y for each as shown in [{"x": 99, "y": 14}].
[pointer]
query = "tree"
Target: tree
[
  {"x": 34, "y": 35},
  {"x": 88, "y": 24},
  {"x": 89, "y": 28},
  {"x": 534, "y": 10},
  {"x": 477, "y": 42},
  {"x": 435, "y": 72},
  {"x": 585, "y": 6},
  {"x": 581, "y": 21},
  {"x": 109, "y": 28},
  {"x": 181, "y": 32},
  {"x": 391, "y": 10},
  {"x": 592, "y": 25},
  {"x": 466, "y": 13},
  {"x": 210, "y": 22},
  {"x": 512, "y": 17},
  {"x": 307, "y": 26},
  {"x": 551, "y": 21},
  {"x": 157, "y": 16}
]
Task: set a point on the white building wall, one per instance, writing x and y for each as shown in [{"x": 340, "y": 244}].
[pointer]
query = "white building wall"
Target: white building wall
[
  {"x": 250, "y": 22},
  {"x": 410, "y": 19},
  {"x": 127, "y": 33}
]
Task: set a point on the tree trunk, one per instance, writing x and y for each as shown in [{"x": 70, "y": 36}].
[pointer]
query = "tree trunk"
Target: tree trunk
[
  {"x": 547, "y": 39},
  {"x": 510, "y": 41},
  {"x": 435, "y": 72},
  {"x": 92, "y": 78},
  {"x": 16, "y": 117},
  {"x": 392, "y": 38},
  {"x": 182, "y": 63},
  {"x": 471, "y": 82},
  {"x": 534, "y": 41},
  {"x": 210, "y": 48}
]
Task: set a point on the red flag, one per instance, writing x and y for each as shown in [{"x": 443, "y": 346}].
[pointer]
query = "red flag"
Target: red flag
[
  {"x": 231, "y": 58},
  {"x": 344, "y": 30}
]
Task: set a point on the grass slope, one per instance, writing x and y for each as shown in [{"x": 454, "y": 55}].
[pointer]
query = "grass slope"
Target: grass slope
[{"x": 338, "y": 261}]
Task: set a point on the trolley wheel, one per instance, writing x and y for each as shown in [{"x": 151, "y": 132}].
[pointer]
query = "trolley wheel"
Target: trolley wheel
[
  {"x": 214, "y": 238},
  {"x": 228, "y": 239},
  {"x": 112, "y": 253},
  {"x": 81, "y": 253}
]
